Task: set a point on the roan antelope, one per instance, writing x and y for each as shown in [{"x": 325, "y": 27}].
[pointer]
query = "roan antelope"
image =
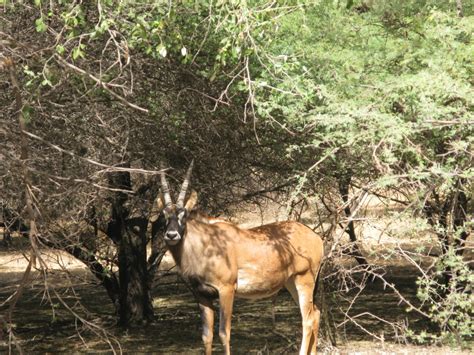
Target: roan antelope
[{"x": 221, "y": 260}]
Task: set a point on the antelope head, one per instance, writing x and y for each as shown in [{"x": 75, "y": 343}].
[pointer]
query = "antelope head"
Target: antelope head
[{"x": 176, "y": 214}]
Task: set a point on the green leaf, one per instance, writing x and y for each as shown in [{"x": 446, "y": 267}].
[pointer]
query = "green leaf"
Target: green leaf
[
  {"x": 46, "y": 82},
  {"x": 40, "y": 25},
  {"x": 162, "y": 51},
  {"x": 27, "y": 111},
  {"x": 29, "y": 72},
  {"x": 78, "y": 52},
  {"x": 60, "y": 49}
]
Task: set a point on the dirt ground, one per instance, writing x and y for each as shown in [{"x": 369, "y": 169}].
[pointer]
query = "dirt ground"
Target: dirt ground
[{"x": 43, "y": 325}]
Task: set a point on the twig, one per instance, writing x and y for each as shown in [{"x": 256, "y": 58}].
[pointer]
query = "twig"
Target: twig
[
  {"x": 104, "y": 85},
  {"x": 108, "y": 168}
]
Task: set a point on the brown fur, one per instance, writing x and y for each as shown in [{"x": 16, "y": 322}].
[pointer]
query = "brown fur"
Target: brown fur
[
  {"x": 221, "y": 260},
  {"x": 252, "y": 264}
]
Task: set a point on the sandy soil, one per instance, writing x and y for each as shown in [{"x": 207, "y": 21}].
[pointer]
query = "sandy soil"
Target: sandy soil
[
  {"x": 45, "y": 326},
  {"x": 42, "y": 324}
]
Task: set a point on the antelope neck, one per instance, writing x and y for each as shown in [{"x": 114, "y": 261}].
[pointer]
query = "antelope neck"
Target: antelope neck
[{"x": 188, "y": 248}]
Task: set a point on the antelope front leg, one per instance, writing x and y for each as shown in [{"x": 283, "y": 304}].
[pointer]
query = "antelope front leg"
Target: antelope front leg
[
  {"x": 207, "y": 316},
  {"x": 226, "y": 301}
]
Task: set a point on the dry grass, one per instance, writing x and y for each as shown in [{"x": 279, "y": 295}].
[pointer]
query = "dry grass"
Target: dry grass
[{"x": 42, "y": 326}]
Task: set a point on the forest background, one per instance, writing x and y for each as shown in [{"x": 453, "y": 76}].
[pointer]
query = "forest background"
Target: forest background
[{"x": 314, "y": 105}]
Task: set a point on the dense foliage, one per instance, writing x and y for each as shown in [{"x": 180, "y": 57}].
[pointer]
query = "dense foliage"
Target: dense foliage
[{"x": 303, "y": 98}]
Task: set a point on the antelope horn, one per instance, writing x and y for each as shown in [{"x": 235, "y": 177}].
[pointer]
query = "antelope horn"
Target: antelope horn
[
  {"x": 184, "y": 187},
  {"x": 165, "y": 187}
]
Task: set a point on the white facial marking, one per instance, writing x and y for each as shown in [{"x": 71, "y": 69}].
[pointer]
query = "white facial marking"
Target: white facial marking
[
  {"x": 180, "y": 218},
  {"x": 172, "y": 237}
]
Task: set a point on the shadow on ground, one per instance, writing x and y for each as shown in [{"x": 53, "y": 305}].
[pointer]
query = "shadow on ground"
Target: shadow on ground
[{"x": 42, "y": 324}]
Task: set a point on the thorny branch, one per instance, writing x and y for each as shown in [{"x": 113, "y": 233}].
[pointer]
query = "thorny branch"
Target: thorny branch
[{"x": 101, "y": 83}]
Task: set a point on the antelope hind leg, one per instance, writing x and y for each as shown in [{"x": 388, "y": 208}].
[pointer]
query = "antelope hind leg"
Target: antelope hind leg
[
  {"x": 314, "y": 338},
  {"x": 309, "y": 314}
]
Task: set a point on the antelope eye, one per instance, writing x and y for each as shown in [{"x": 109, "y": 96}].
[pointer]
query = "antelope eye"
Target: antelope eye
[{"x": 181, "y": 215}]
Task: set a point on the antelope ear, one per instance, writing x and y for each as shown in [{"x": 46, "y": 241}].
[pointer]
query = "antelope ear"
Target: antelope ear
[
  {"x": 158, "y": 206},
  {"x": 192, "y": 200}
]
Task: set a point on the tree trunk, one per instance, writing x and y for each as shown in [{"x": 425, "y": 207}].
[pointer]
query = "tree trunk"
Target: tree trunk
[
  {"x": 135, "y": 306},
  {"x": 135, "y": 299},
  {"x": 449, "y": 218},
  {"x": 158, "y": 250},
  {"x": 344, "y": 182},
  {"x": 459, "y": 8},
  {"x": 459, "y": 218},
  {"x": 109, "y": 281}
]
